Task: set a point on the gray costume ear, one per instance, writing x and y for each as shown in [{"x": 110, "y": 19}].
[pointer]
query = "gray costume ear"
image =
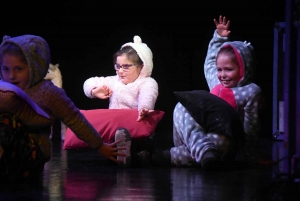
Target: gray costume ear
[
  {"x": 6, "y": 38},
  {"x": 250, "y": 47}
]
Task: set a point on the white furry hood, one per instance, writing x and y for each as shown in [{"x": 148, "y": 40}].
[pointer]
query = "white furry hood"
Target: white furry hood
[{"x": 144, "y": 53}]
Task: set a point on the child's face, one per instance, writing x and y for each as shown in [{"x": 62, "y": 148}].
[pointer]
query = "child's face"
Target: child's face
[
  {"x": 228, "y": 71},
  {"x": 130, "y": 75},
  {"x": 14, "y": 71}
]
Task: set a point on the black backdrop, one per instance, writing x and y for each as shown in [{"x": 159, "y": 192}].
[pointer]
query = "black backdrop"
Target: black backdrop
[{"x": 83, "y": 35}]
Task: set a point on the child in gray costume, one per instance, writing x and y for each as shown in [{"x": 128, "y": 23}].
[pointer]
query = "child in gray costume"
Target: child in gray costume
[{"x": 228, "y": 70}]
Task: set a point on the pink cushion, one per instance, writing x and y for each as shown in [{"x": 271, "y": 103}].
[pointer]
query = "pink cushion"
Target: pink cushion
[{"x": 107, "y": 121}]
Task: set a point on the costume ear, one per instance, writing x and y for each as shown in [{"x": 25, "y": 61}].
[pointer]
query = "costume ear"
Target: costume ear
[
  {"x": 5, "y": 38},
  {"x": 51, "y": 66},
  {"x": 137, "y": 39}
]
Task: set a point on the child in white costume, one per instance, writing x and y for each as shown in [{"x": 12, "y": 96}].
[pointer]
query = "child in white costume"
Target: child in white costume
[{"x": 133, "y": 86}]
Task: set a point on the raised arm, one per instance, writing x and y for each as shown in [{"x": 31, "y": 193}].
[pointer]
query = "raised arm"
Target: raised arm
[{"x": 220, "y": 36}]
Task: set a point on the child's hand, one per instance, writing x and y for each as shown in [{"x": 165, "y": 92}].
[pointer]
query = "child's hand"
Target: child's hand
[
  {"x": 143, "y": 112},
  {"x": 222, "y": 26},
  {"x": 102, "y": 92},
  {"x": 110, "y": 151}
]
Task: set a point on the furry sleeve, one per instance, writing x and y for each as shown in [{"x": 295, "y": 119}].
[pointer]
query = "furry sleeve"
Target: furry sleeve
[
  {"x": 94, "y": 82},
  {"x": 148, "y": 94}
]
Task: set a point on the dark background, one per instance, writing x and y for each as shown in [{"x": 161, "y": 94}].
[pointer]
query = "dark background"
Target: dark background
[{"x": 83, "y": 35}]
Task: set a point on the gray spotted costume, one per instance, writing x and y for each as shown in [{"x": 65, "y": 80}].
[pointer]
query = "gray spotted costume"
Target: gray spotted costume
[{"x": 190, "y": 139}]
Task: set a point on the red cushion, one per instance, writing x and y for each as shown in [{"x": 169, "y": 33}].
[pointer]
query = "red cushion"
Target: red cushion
[{"x": 107, "y": 121}]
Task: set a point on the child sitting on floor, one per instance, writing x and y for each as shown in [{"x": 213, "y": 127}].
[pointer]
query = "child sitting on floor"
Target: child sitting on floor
[
  {"x": 131, "y": 87},
  {"x": 229, "y": 72},
  {"x": 24, "y": 62}
]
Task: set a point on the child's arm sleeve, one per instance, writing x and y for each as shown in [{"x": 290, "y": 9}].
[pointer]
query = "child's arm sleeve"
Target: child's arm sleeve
[
  {"x": 210, "y": 70},
  {"x": 63, "y": 109},
  {"x": 148, "y": 95},
  {"x": 95, "y": 82}
]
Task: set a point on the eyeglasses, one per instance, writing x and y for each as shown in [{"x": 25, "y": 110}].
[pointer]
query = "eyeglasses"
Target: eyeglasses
[{"x": 125, "y": 67}]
